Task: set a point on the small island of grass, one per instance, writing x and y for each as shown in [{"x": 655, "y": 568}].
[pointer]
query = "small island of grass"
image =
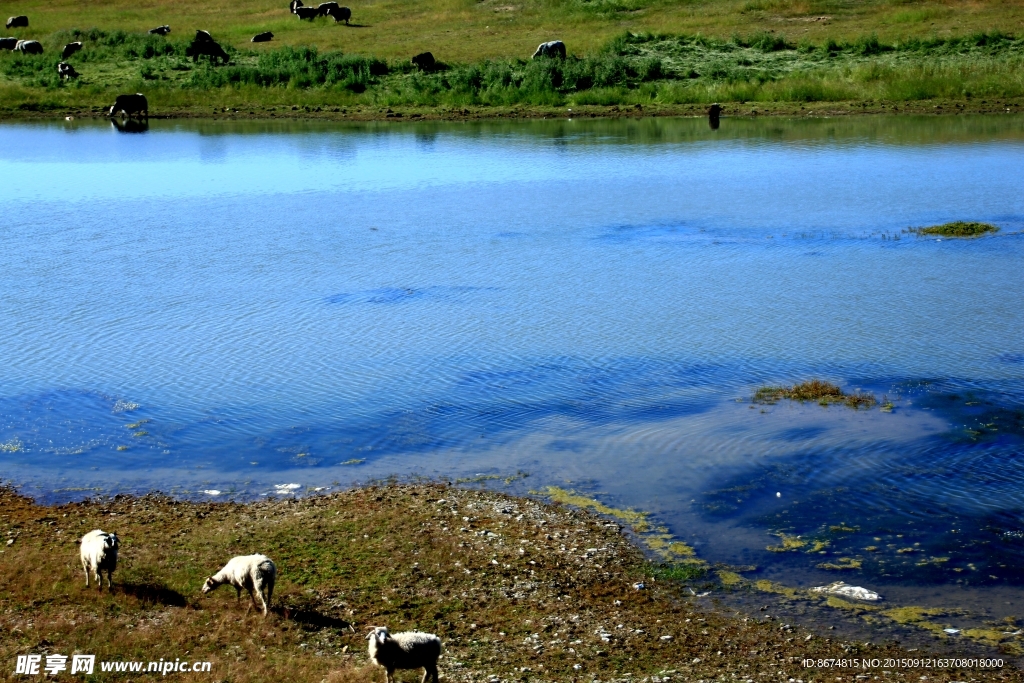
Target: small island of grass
[
  {"x": 824, "y": 393},
  {"x": 958, "y": 229}
]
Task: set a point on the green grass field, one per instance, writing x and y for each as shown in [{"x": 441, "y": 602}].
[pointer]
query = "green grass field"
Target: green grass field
[{"x": 622, "y": 52}]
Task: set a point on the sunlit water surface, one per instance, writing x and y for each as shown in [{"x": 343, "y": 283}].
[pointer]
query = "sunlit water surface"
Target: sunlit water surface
[{"x": 231, "y": 307}]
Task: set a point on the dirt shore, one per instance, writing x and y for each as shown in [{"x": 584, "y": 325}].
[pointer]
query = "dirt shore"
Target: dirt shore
[
  {"x": 518, "y": 590},
  {"x": 748, "y": 109}
]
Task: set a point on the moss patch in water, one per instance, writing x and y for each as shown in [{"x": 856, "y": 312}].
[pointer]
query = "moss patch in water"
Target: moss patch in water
[
  {"x": 122, "y": 448},
  {"x": 958, "y": 229},
  {"x": 141, "y": 432},
  {"x": 729, "y": 578},
  {"x": 354, "y": 461},
  {"x": 635, "y": 518},
  {"x": 839, "y": 603},
  {"x": 843, "y": 564},
  {"x": 136, "y": 425},
  {"x": 792, "y": 544},
  {"x": 766, "y": 586},
  {"x": 820, "y": 391}
]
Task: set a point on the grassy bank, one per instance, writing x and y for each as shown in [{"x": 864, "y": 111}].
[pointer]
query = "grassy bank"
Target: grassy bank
[
  {"x": 668, "y": 73},
  {"x": 517, "y": 590}
]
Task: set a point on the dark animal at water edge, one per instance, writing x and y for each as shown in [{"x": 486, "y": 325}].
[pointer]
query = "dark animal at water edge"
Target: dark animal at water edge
[
  {"x": 70, "y": 49},
  {"x": 8, "y": 43},
  {"x": 160, "y": 30},
  {"x": 29, "y": 47},
  {"x": 553, "y": 49},
  {"x": 341, "y": 14},
  {"x": 210, "y": 48},
  {"x": 66, "y": 71},
  {"x": 714, "y": 111},
  {"x": 262, "y": 37},
  {"x": 325, "y": 8},
  {"x": 130, "y": 105},
  {"x": 424, "y": 61},
  {"x": 17, "y": 22},
  {"x": 310, "y": 13}
]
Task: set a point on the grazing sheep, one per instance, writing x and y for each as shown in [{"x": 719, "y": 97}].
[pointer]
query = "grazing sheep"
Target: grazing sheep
[
  {"x": 255, "y": 573},
  {"x": 264, "y": 37},
  {"x": 8, "y": 43},
  {"x": 17, "y": 22},
  {"x": 130, "y": 105},
  {"x": 424, "y": 61},
  {"x": 554, "y": 49},
  {"x": 210, "y": 48},
  {"x": 160, "y": 30},
  {"x": 341, "y": 14},
  {"x": 29, "y": 47},
  {"x": 66, "y": 71},
  {"x": 99, "y": 554},
  {"x": 203, "y": 37},
  {"x": 410, "y": 650},
  {"x": 70, "y": 49}
]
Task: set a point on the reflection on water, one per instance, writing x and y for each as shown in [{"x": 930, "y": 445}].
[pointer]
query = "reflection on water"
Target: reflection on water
[{"x": 215, "y": 306}]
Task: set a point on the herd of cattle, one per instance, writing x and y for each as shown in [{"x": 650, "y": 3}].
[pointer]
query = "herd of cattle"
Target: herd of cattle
[{"x": 203, "y": 44}]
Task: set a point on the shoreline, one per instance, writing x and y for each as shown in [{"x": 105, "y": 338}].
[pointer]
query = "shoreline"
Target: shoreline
[
  {"x": 945, "y": 108},
  {"x": 517, "y": 589}
]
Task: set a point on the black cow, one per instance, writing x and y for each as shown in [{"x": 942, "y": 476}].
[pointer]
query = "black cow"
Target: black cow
[
  {"x": 325, "y": 8},
  {"x": 210, "y": 48},
  {"x": 29, "y": 47},
  {"x": 130, "y": 105},
  {"x": 264, "y": 37},
  {"x": 341, "y": 14},
  {"x": 554, "y": 49},
  {"x": 160, "y": 30},
  {"x": 70, "y": 49},
  {"x": 310, "y": 13},
  {"x": 66, "y": 71},
  {"x": 17, "y": 22},
  {"x": 714, "y": 111},
  {"x": 8, "y": 43},
  {"x": 425, "y": 61}
]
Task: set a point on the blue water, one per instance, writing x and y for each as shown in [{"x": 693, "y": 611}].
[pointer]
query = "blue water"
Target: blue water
[{"x": 230, "y": 307}]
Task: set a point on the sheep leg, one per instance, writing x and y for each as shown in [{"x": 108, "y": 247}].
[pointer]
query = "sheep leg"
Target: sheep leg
[
  {"x": 238, "y": 595},
  {"x": 86, "y": 568},
  {"x": 390, "y": 675},
  {"x": 99, "y": 579},
  {"x": 429, "y": 671},
  {"x": 110, "y": 576}
]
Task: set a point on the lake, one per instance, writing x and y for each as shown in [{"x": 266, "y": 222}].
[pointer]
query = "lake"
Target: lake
[{"x": 228, "y": 310}]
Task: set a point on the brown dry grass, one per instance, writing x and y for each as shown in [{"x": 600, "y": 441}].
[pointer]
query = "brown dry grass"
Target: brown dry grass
[{"x": 514, "y": 588}]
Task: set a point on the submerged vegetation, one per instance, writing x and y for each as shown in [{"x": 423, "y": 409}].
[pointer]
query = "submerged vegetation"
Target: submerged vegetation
[
  {"x": 631, "y": 69},
  {"x": 819, "y": 391},
  {"x": 958, "y": 229}
]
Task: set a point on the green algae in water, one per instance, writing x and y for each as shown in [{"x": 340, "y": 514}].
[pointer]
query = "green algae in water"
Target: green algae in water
[
  {"x": 822, "y": 392},
  {"x": 958, "y": 229},
  {"x": 844, "y": 563}
]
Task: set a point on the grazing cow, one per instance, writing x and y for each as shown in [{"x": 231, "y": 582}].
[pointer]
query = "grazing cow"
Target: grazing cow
[
  {"x": 310, "y": 13},
  {"x": 8, "y": 43},
  {"x": 264, "y": 37},
  {"x": 17, "y": 22},
  {"x": 66, "y": 71},
  {"x": 341, "y": 14},
  {"x": 424, "y": 61},
  {"x": 210, "y": 48},
  {"x": 29, "y": 47},
  {"x": 70, "y": 49},
  {"x": 325, "y": 8},
  {"x": 130, "y": 105},
  {"x": 160, "y": 30},
  {"x": 554, "y": 49}
]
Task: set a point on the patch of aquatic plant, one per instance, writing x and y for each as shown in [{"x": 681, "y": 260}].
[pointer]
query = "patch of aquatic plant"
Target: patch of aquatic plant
[
  {"x": 12, "y": 446},
  {"x": 684, "y": 572},
  {"x": 844, "y": 563},
  {"x": 958, "y": 229},
  {"x": 819, "y": 391},
  {"x": 353, "y": 461}
]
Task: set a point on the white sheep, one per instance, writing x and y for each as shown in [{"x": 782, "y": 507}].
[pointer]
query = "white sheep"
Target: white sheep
[
  {"x": 410, "y": 650},
  {"x": 99, "y": 554},
  {"x": 251, "y": 572}
]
